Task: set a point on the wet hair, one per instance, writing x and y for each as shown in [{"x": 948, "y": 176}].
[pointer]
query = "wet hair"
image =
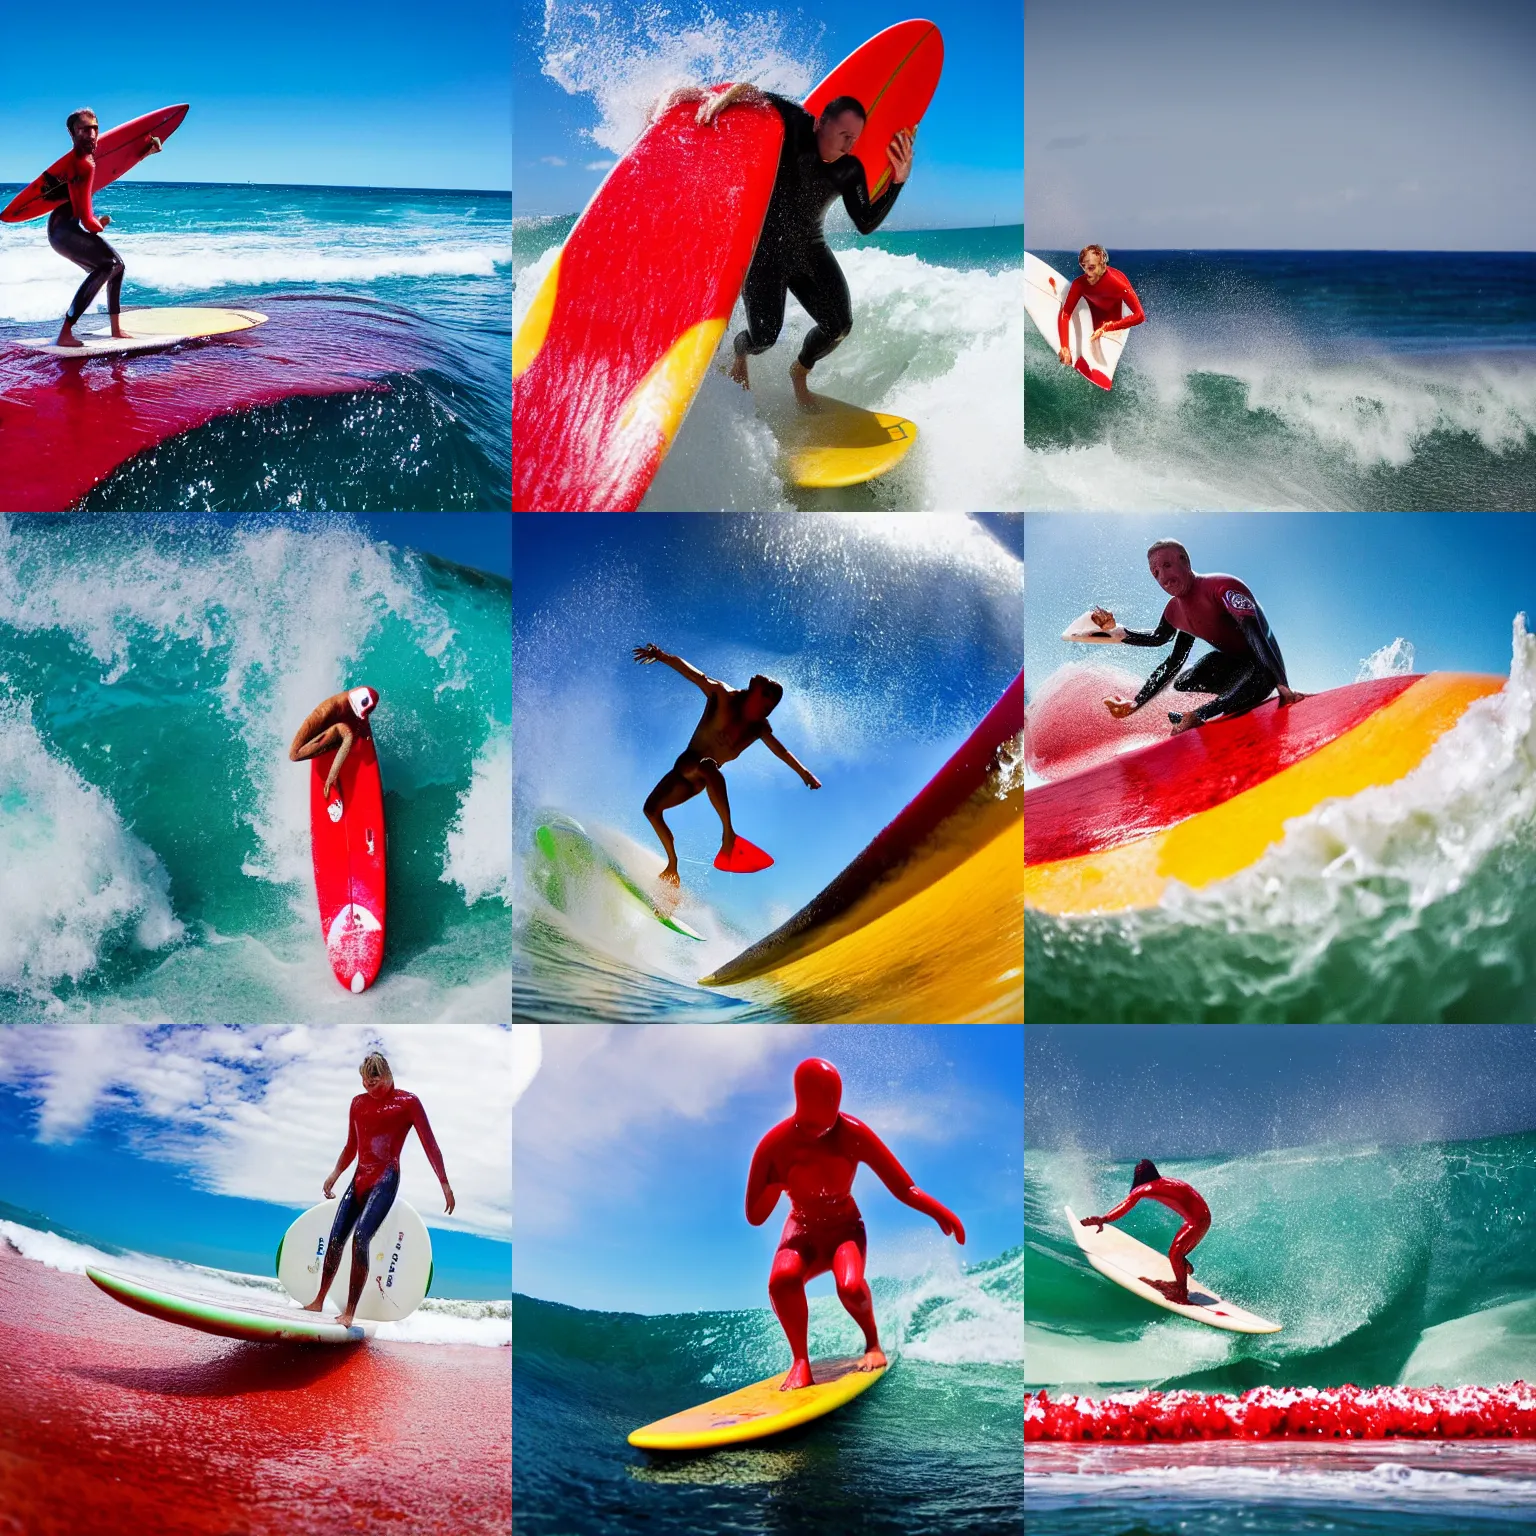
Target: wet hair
[
  {"x": 1146, "y": 1171},
  {"x": 1152, "y": 549},
  {"x": 770, "y": 690},
  {"x": 374, "y": 1065},
  {"x": 74, "y": 118},
  {"x": 1098, "y": 250},
  {"x": 840, "y": 104}
]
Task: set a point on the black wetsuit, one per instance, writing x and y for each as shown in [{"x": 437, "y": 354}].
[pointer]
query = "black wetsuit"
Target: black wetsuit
[
  {"x": 1241, "y": 680},
  {"x": 792, "y": 253}
]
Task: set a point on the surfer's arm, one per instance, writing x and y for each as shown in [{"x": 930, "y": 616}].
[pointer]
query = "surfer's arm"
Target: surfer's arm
[
  {"x": 1134, "y": 1198},
  {"x": 762, "y": 1190},
  {"x": 883, "y": 1164},
  {"x": 1125, "y": 322},
  {"x": 704, "y": 684},
  {"x": 867, "y": 216},
  {"x": 348, "y": 1152},
  {"x": 434, "y": 1152},
  {"x": 1068, "y": 304},
  {"x": 740, "y": 95},
  {"x": 1156, "y": 637},
  {"x": 80, "y": 185},
  {"x": 1167, "y": 669},
  {"x": 783, "y": 753},
  {"x": 1264, "y": 649}
]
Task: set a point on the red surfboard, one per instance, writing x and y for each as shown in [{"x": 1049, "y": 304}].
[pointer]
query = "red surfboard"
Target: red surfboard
[
  {"x": 744, "y": 858},
  {"x": 613, "y": 350},
  {"x": 347, "y": 839},
  {"x": 118, "y": 150},
  {"x": 893, "y": 76}
]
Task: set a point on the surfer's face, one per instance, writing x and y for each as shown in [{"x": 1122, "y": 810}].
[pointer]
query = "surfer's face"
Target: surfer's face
[
  {"x": 1093, "y": 266},
  {"x": 818, "y": 1092},
  {"x": 86, "y": 132},
  {"x": 1171, "y": 571},
  {"x": 836, "y": 136},
  {"x": 378, "y": 1087}
]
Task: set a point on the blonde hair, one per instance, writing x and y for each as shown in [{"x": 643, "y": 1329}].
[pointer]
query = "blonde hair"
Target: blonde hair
[
  {"x": 374, "y": 1066},
  {"x": 1098, "y": 250}
]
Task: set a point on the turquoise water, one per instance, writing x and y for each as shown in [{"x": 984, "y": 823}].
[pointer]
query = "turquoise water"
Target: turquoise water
[
  {"x": 154, "y": 838},
  {"x": 430, "y": 271}
]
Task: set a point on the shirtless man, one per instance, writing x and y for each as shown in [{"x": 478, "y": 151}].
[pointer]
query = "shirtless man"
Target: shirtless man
[
  {"x": 1103, "y": 289},
  {"x": 812, "y": 1157},
  {"x": 733, "y": 719},
  {"x": 1181, "y": 1198},
  {"x": 335, "y": 723}
]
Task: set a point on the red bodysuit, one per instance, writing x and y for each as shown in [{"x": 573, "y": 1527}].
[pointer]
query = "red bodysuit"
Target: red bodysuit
[
  {"x": 376, "y": 1132},
  {"x": 81, "y": 176},
  {"x": 1214, "y": 612},
  {"x": 1181, "y": 1198},
  {"x": 1103, "y": 299}
]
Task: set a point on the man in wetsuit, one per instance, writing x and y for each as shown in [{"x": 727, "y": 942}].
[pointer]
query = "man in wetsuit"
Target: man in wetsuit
[
  {"x": 816, "y": 167},
  {"x": 1181, "y": 1198},
  {"x": 813, "y": 1157},
  {"x": 1103, "y": 289},
  {"x": 335, "y": 723},
  {"x": 380, "y": 1119},
  {"x": 733, "y": 719},
  {"x": 1246, "y": 665},
  {"x": 74, "y": 231}
]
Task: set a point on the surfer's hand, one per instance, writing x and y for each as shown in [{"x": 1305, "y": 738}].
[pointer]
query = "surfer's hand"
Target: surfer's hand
[
  {"x": 899, "y": 153},
  {"x": 1186, "y": 722},
  {"x": 811, "y": 781},
  {"x": 1101, "y": 330},
  {"x": 448, "y": 1196},
  {"x": 646, "y": 654},
  {"x": 1119, "y": 708},
  {"x": 330, "y": 1185},
  {"x": 153, "y": 146},
  {"x": 714, "y": 105},
  {"x": 1290, "y": 696},
  {"x": 1103, "y": 618},
  {"x": 104, "y": 219},
  {"x": 1096, "y": 1222},
  {"x": 675, "y": 97},
  {"x": 1065, "y": 354}
]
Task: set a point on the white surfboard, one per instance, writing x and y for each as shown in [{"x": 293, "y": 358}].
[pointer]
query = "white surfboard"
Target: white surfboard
[
  {"x": 399, "y": 1263},
  {"x": 1044, "y": 290},
  {"x": 150, "y": 329},
  {"x": 1119, "y": 1257},
  {"x": 1084, "y": 629}
]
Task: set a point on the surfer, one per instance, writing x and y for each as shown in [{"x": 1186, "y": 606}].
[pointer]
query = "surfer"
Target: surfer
[
  {"x": 380, "y": 1119},
  {"x": 1181, "y": 1198},
  {"x": 74, "y": 231},
  {"x": 331, "y": 724},
  {"x": 1103, "y": 289},
  {"x": 733, "y": 719},
  {"x": 1244, "y": 668},
  {"x": 813, "y": 1157},
  {"x": 816, "y": 167}
]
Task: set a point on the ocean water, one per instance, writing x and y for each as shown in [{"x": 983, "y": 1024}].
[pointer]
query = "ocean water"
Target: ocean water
[
  {"x": 416, "y": 282},
  {"x": 1327, "y": 380},
  {"x": 1436, "y": 1286},
  {"x": 154, "y": 838},
  {"x": 1404, "y": 903},
  {"x": 934, "y": 1448}
]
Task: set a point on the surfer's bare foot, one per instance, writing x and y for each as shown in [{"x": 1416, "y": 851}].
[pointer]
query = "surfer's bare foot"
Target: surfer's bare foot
[
  {"x": 803, "y": 396},
  {"x": 315, "y": 1305},
  {"x": 345, "y": 1319},
  {"x": 67, "y": 338},
  {"x": 799, "y": 1376},
  {"x": 1173, "y": 1290},
  {"x": 738, "y": 370},
  {"x": 727, "y": 843},
  {"x": 873, "y": 1359},
  {"x": 668, "y": 876}
]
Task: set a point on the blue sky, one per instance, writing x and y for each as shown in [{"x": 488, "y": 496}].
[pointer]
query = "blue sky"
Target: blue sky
[
  {"x": 1316, "y": 124},
  {"x": 893, "y": 636},
  {"x": 203, "y": 1144},
  {"x": 391, "y": 95},
  {"x": 968, "y": 168},
  {"x": 1336, "y": 586},
  {"x": 1132, "y": 1091},
  {"x": 631, "y": 1149}
]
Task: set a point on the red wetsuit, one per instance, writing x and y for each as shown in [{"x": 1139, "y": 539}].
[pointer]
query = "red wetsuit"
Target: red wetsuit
[
  {"x": 1214, "y": 612},
  {"x": 376, "y": 1132},
  {"x": 81, "y": 176},
  {"x": 1103, "y": 299},
  {"x": 1181, "y": 1198}
]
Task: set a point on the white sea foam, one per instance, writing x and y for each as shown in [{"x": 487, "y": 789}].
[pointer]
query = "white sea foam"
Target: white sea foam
[{"x": 479, "y": 854}]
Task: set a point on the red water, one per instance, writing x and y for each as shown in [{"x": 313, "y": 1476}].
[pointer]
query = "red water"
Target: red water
[
  {"x": 114, "y": 1424},
  {"x": 67, "y": 423},
  {"x": 1317, "y": 1413}
]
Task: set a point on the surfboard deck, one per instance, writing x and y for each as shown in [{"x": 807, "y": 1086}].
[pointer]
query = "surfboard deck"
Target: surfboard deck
[
  {"x": 842, "y": 444},
  {"x": 1044, "y": 290},
  {"x": 225, "y": 1318},
  {"x": 1119, "y": 1257},
  {"x": 755, "y": 1412},
  {"x": 118, "y": 150},
  {"x": 399, "y": 1263},
  {"x": 151, "y": 329},
  {"x": 347, "y": 838},
  {"x": 570, "y": 852}
]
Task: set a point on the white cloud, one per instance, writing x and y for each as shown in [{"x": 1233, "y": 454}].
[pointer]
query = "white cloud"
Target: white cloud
[
  {"x": 261, "y": 1112},
  {"x": 600, "y": 165},
  {"x": 551, "y": 160}
]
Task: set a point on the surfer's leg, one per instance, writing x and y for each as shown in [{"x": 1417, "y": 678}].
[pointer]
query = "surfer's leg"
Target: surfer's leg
[
  {"x": 328, "y": 740},
  {"x": 341, "y": 1229},
  {"x": 375, "y": 1209},
  {"x": 762, "y": 296},
  {"x": 786, "y": 1290},
  {"x": 714, "y": 785},
  {"x": 822, "y": 291},
  {"x": 853, "y": 1292},
  {"x": 673, "y": 789},
  {"x": 101, "y": 263}
]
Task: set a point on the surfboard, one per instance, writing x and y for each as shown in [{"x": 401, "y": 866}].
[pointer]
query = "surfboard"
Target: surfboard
[
  {"x": 227, "y": 1318},
  {"x": 1119, "y": 1257},
  {"x": 842, "y": 444},
  {"x": 570, "y": 854},
  {"x": 151, "y": 329},
  {"x": 347, "y": 839},
  {"x": 755, "y": 1412},
  {"x": 744, "y": 858},
  {"x": 399, "y": 1263},
  {"x": 617, "y": 341},
  {"x": 1044, "y": 290},
  {"x": 1082, "y": 628},
  {"x": 1206, "y": 804},
  {"x": 118, "y": 150}
]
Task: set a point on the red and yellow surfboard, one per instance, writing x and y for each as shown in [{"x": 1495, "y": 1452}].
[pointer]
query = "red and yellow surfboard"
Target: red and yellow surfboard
[{"x": 1208, "y": 803}]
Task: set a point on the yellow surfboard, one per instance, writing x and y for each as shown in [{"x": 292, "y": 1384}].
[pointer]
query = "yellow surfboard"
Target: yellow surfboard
[
  {"x": 147, "y": 330},
  {"x": 751, "y": 1413},
  {"x": 843, "y": 444}
]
